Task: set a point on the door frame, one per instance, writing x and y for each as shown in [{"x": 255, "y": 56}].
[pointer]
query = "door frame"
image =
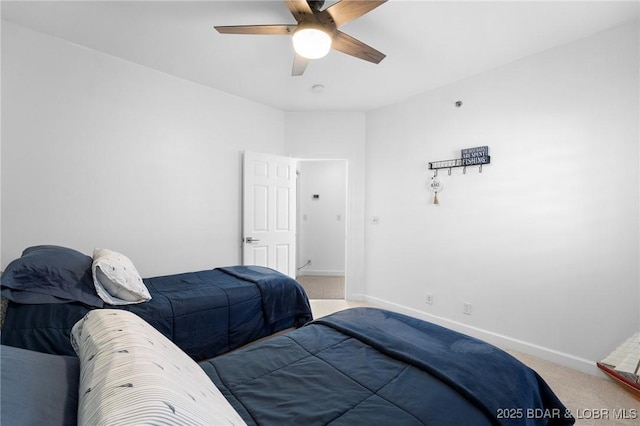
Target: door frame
[{"x": 345, "y": 219}]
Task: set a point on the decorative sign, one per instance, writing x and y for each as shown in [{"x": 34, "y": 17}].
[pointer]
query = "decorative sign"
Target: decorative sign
[
  {"x": 436, "y": 186},
  {"x": 475, "y": 156}
]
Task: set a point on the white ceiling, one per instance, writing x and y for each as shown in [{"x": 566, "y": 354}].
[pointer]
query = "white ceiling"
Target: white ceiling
[{"x": 428, "y": 43}]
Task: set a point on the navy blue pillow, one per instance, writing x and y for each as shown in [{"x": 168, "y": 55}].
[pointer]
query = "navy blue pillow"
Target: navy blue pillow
[
  {"x": 29, "y": 297},
  {"x": 50, "y": 274},
  {"x": 38, "y": 388}
]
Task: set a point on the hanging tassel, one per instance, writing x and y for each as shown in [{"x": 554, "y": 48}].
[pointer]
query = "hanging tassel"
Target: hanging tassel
[{"x": 435, "y": 199}]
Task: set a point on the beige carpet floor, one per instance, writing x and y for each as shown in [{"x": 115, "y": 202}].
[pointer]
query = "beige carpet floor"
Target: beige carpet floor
[
  {"x": 593, "y": 400},
  {"x": 322, "y": 286}
]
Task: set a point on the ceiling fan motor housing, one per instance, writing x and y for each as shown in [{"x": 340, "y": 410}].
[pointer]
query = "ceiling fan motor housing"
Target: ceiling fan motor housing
[{"x": 315, "y": 5}]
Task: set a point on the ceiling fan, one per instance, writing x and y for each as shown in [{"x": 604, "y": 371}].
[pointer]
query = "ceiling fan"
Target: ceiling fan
[{"x": 317, "y": 30}]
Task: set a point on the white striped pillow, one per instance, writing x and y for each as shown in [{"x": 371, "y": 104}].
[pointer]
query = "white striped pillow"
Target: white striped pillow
[{"x": 132, "y": 374}]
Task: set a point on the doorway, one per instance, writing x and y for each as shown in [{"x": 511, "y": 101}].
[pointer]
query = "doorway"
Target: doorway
[{"x": 321, "y": 227}]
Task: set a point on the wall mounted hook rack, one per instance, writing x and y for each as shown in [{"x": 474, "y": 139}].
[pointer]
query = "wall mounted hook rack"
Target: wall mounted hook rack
[{"x": 477, "y": 156}]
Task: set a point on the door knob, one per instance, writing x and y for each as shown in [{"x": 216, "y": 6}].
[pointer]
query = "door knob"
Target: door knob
[{"x": 250, "y": 240}]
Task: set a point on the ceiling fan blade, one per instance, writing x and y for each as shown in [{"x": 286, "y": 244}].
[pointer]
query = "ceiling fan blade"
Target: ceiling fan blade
[
  {"x": 301, "y": 10},
  {"x": 346, "y": 44},
  {"x": 347, "y": 10},
  {"x": 257, "y": 29},
  {"x": 299, "y": 65}
]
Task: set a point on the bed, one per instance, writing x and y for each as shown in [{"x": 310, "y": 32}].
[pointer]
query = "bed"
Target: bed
[
  {"x": 361, "y": 366},
  {"x": 205, "y": 313}
]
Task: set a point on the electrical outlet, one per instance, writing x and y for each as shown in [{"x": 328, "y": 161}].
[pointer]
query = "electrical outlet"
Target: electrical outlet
[
  {"x": 428, "y": 299},
  {"x": 466, "y": 308}
]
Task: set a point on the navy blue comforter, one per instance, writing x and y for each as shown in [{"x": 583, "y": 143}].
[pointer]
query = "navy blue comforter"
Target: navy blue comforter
[
  {"x": 367, "y": 366},
  {"x": 205, "y": 313}
]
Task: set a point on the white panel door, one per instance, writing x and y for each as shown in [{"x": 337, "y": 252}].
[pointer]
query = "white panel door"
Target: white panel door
[{"x": 269, "y": 212}]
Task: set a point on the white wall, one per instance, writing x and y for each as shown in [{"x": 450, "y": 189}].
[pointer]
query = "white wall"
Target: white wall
[
  {"x": 337, "y": 135},
  {"x": 543, "y": 243},
  {"x": 321, "y": 220},
  {"x": 1, "y": 264},
  {"x": 98, "y": 151}
]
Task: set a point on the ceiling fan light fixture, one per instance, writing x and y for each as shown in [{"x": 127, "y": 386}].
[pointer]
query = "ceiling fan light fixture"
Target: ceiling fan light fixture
[{"x": 311, "y": 42}]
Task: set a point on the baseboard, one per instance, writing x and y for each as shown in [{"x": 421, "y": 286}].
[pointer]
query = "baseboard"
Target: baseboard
[
  {"x": 505, "y": 342},
  {"x": 356, "y": 297},
  {"x": 323, "y": 273}
]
